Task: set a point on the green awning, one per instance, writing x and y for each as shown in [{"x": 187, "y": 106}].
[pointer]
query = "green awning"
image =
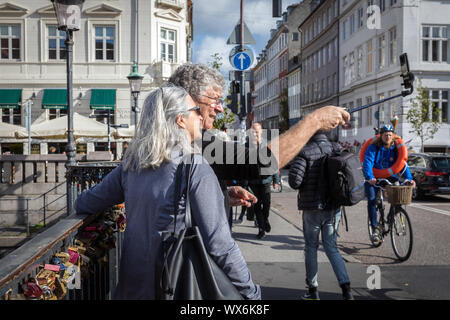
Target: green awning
[
  {"x": 10, "y": 98},
  {"x": 103, "y": 99},
  {"x": 54, "y": 99}
]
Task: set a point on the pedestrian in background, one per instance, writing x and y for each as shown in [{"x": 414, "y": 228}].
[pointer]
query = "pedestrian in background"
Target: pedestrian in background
[
  {"x": 262, "y": 187},
  {"x": 318, "y": 217}
]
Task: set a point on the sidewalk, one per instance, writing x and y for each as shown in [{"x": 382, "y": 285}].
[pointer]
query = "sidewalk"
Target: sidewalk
[{"x": 277, "y": 265}]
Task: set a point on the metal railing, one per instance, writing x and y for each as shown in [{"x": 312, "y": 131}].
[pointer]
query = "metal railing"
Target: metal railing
[{"x": 98, "y": 264}]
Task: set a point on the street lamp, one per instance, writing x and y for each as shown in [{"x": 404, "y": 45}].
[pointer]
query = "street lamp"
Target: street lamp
[
  {"x": 135, "y": 86},
  {"x": 68, "y": 14}
]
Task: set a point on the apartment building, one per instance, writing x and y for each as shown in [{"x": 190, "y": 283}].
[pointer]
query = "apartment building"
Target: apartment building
[
  {"x": 370, "y": 42},
  {"x": 113, "y": 34}
]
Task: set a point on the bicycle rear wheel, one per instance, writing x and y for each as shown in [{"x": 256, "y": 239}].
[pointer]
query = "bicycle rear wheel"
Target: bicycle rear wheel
[{"x": 401, "y": 234}]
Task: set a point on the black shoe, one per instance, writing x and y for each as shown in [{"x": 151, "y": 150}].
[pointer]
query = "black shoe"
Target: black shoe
[
  {"x": 267, "y": 227},
  {"x": 260, "y": 234},
  {"x": 312, "y": 294},
  {"x": 347, "y": 292}
]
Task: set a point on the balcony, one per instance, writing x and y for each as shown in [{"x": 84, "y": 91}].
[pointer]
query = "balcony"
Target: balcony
[
  {"x": 162, "y": 70},
  {"x": 177, "y": 5}
]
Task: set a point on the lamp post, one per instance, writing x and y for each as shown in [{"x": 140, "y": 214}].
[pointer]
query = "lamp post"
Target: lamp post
[
  {"x": 135, "y": 80},
  {"x": 68, "y": 14}
]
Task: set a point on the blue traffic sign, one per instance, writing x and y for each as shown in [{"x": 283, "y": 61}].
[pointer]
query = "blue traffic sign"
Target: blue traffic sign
[{"x": 242, "y": 61}]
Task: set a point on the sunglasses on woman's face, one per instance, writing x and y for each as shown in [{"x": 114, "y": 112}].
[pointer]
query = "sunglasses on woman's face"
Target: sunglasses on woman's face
[{"x": 196, "y": 109}]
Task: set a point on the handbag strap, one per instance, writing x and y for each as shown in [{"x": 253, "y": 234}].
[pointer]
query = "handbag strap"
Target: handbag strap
[{"x": 179, "y": 192}]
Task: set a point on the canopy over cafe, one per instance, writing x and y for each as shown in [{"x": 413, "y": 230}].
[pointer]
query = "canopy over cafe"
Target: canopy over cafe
[{"x": 49, "y": 134}]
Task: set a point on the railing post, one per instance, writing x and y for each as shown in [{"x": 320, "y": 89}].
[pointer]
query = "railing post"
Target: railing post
[
  {"x": 45, "y": 211},
  {"x": 28, "y": 218}
]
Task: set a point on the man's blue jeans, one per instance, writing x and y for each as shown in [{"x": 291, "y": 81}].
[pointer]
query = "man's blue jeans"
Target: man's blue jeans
[
  {"x": 314, "y": 222},
  {"x": 371, "y": 194}
]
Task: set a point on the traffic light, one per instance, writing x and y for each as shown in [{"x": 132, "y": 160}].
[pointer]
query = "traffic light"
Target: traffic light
[
  {"x": 233, "y": 106},
  {"x": 249, "y": 106},
  {"x": 235, "y": 87}
]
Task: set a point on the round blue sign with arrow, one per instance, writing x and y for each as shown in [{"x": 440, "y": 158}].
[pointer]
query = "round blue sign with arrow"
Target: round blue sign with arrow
[{"x": 242, "y": 61}]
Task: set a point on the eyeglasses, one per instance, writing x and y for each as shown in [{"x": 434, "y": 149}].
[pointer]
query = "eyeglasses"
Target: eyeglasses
[
  {"x": 217, "y": 102},
  {"x": 196, "y": 109}
]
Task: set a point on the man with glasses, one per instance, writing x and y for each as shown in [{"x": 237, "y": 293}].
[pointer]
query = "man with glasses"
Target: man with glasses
[{"x": 207, "y": 86}]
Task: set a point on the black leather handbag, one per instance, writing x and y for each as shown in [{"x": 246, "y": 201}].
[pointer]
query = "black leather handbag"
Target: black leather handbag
[{"x": 184, "y": 269}]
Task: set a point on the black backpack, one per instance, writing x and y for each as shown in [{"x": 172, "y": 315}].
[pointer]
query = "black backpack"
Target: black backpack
[{"x": 343, "y": 177}]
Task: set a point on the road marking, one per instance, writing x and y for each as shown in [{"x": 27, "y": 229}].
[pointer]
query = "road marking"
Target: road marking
[{"x": 447, "y": 213}]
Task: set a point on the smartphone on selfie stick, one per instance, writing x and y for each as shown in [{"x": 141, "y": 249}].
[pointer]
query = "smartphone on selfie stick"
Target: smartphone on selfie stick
[{"x": 408, "y": 79}]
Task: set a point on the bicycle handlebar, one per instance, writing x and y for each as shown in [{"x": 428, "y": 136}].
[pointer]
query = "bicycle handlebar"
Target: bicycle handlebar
[{"x": 387, "y": 181}]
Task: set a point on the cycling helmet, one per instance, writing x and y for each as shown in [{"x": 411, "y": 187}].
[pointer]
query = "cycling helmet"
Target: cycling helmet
[{"x": 386, "y": 128}]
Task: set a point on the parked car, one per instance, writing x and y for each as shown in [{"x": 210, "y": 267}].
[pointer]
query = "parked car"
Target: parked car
[{"x": 431, "y": 172}]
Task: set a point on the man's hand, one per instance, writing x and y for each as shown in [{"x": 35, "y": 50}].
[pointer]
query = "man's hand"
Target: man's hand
[
  {"x": 240, "y": 197},
  {"x": 373, "y": 181},
  {"x": 330, "y": 117},
  {"x": 411, "y": 183}
]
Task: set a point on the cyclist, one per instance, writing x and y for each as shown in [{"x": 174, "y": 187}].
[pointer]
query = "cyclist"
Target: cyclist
[{"x": 381, "y": 154}]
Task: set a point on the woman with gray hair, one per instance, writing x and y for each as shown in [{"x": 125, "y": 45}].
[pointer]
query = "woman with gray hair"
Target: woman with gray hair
[{"x": 145, "y": 181}]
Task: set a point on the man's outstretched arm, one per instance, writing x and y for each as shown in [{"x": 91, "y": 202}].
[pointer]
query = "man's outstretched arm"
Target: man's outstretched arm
[{"x": 289, "y": 144}]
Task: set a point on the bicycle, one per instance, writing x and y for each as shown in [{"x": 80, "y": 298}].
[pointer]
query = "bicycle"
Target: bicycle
[{"x": 397, "y": 223}]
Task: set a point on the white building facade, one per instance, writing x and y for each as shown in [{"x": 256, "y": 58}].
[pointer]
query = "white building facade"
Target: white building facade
[
  {"x": 369, "y": 68},
  {"x": 113, "y": 34}
]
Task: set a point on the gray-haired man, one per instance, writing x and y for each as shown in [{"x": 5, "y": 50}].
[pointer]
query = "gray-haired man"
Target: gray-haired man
[{"x": 206, "y": 86}]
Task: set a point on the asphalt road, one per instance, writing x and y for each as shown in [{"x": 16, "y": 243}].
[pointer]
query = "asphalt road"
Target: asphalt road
[{"x": 427, "y": 272}]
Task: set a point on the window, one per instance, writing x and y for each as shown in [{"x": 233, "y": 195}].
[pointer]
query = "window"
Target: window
[
  {"x": 336, "y": 54},
  {"x": 358, "y": 117},
  {"x": 324, "y": 52},
  {"x": 319, "y": 25},
  {"x": 346, "y": 71},
  {"x": 319, "y": 58},
  {"x": 329, "y": 17},
  {"x": 434, "y": 44},
  {"x": 344, "y": 29},
  {"x": 56, "y": 44},
  {"x": 336, "y": 8},
  {"x": 334, "y": 85},
  {"x": 168, "y": 45},
  {"x": 369, "y": 56},
  {"x": 102, "y": 116},
  {"x": 56, "y": 113},
  {"x": 381, "y": 51},
  {"x": 10, "y": 42},
  {"x": 383, "y": 5},
  {"x": 104, "y": 43},
  {"x": 369, "y": 114},
  {"x": 328, "y": 89},
  {"x": 360, "y": 17},
  {"x": 352, "y": 74},
  {"x": 381, "y": 114},
  {"x": 393, "y": 46},
  {"x": 12, "y": 116},
  {"x": 439, "y": 99},
  {"x": 359, "y": 64},
  {"x": 295, "y": 36},
  {"x": 324, "y": 20},
  {"x": 393, "y": 2},
  {"x": 329, "y": 51},
  {"x": 352, "y": 24},
  {"x": 391, "y": 112}
]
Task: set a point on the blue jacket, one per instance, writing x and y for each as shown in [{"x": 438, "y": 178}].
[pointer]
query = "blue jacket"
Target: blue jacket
[{"x": 384, "y": 159}]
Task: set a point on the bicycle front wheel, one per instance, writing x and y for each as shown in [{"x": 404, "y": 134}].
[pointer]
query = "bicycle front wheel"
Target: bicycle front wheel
[{"x": 401, "y": 235}]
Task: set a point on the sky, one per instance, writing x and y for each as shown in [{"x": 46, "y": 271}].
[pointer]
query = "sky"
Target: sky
[{"x": 214, "y": 21}]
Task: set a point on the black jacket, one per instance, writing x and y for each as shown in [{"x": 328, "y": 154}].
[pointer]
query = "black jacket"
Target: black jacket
[{"x": 305, "y": 171}]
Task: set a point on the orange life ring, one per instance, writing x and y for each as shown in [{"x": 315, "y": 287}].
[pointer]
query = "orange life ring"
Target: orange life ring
[{"x": 396, "y": 167}]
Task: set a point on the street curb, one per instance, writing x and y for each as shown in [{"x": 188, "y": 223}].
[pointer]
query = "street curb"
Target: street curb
[{"x": 346, "y": 257}]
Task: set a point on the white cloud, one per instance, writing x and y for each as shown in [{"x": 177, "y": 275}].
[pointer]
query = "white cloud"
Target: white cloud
[{"x": 209, "y": 46}]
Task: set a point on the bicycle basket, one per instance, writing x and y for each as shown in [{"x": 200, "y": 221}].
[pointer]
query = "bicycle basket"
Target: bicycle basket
[{"x": 398, "y": 195}]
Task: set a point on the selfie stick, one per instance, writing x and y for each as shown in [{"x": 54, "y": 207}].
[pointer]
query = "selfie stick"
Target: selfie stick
[{"x": 408, "y": 79}]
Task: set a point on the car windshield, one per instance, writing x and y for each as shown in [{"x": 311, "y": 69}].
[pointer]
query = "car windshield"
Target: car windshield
[{"x": 441, "y": 162}]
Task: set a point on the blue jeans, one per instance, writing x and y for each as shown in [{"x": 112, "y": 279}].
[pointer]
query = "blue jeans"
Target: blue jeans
[
  {"x": 371, "y": 194},
  {"x": 314, "y": 222}
]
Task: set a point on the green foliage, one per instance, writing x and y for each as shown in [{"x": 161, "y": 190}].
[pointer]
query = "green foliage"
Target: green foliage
[
  {"x": 216, "y": 63},
  {"x": 419, "y": 116},
  {"x": 224, "y": 118}
]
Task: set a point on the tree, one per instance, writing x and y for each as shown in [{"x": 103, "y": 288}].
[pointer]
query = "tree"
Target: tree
[
  {"x": 419, "y": 116},
  {"x": 227, "y": 117}
]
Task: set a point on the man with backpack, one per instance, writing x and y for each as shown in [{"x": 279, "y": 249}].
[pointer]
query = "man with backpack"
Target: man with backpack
[{"x": 319, "y": 214}]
